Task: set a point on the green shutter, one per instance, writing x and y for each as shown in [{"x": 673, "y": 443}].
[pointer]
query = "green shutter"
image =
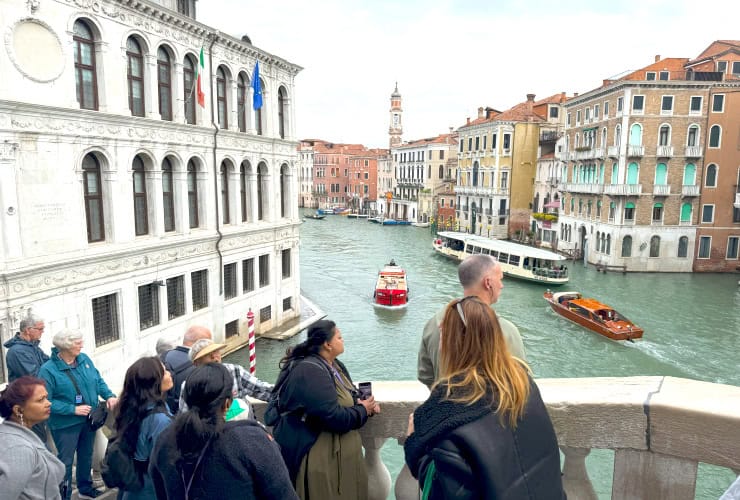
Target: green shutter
[{"x": 629, "y": 205}]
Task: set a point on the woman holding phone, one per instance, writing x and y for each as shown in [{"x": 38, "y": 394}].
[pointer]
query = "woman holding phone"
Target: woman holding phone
[{"x": 319, "y": 416}]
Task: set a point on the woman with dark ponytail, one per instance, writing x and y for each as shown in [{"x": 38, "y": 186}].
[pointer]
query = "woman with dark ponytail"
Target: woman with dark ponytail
[
  {"x": 319, "y": 417},
  {"x": 203, "y": 456},
  {"x": 142, "y": 416}
]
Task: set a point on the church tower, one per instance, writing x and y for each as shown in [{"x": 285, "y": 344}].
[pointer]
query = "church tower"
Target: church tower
[{"x": 396, "y": 129}]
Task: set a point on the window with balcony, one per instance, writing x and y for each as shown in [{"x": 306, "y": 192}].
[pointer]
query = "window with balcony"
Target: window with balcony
[
  {"x": 633, "y": 173},
  {"x": 715, "y": 136},
  {"x": 635, "y": 135},
  {"x": 705, "y": 247},
  {"x": 638, "y": 104},
  {"x": 627, "y": 246},
  {"x": 477, "y": 143},
  {"x": 718, "y": 103},
  {"x": 661, "y": 174},
  {"x": 629, "y": 212},
  {"x": 695, "y": 105},
  {"x": 732, "y": 248},
  {"x": 666, "y": 105},
  {"x": 664, "y": 135},
  {"x": 711, "y": 178},
  {"x": 692, "y": 137},
  {"x": 707, "y": 214},
  {"x": 615, "y": 172},
  {"x": 106, "y": 327}
]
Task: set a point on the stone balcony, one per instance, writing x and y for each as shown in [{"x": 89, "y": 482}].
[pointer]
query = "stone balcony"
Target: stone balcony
[
  {"x": 661, "y": 189},
  {"x": 660, "y": 428},
  {"x": 612, "y": 151},
  {"x": 623, "y": 189},
  {"x": 693, "y": 152},
  {"x": 689, "y": 190},
  {"x": 634, "y": 150},
  {"x": 575, "y": 187},
  {"x": 665, "y": 152},
  {"x": 481, "y": 190}
]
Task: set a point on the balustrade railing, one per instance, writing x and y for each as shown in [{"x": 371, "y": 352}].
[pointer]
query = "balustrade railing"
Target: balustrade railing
[
  {"x": 623, "y": 189},
  {"x": 612, "y": 151},
  {"x": 693, "y": 151},
  {"x": 661, "y": 190},
  {"x": 660, "y": 428},
  {"x": 635, "y": 150},
  {"x": 689, "y": 190},
  {"x": 665, "y": 151},
  {"x": 576, "y": 187}
]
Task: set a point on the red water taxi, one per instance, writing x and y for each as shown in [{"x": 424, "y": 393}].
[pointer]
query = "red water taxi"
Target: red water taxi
[
  {"x": 391, "y": 289},
  {"x": 592, "y": 314}
]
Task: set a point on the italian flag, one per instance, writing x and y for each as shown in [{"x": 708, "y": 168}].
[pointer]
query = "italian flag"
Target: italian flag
[{"x": 201, "y": 94}]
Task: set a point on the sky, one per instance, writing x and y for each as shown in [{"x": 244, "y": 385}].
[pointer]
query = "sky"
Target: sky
[{"x": 452, "y": 57}]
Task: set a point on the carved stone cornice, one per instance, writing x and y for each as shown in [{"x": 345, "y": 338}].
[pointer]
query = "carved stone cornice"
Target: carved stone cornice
[{"x": 114, "y": 264}]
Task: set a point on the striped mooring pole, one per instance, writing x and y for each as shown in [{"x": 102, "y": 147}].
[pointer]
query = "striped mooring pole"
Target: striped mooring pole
[{"x": 252, "y": 351}]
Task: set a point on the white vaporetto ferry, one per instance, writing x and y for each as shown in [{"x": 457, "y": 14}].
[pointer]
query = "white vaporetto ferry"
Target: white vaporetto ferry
[{"x": 517, "y": 261}]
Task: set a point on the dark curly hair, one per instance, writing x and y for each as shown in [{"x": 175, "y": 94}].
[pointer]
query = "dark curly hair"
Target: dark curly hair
[
  {"x": 18, "y": 392},
  {"x": 318, "y": 333}
]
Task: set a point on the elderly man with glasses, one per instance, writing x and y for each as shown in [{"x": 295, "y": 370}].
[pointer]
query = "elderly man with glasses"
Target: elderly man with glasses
[
  {"x": 480, "y": 276},
  {"x": 25, "y": 357}
]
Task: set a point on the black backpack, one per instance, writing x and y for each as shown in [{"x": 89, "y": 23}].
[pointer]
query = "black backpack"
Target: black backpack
[{"x": 118, "y": 468}]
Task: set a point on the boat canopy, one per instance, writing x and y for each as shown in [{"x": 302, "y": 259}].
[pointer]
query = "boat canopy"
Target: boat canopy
[{"x": 508, "y": 247}]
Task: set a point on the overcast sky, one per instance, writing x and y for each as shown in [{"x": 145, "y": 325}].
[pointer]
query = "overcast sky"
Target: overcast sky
[{"x": 450, "y": 57}]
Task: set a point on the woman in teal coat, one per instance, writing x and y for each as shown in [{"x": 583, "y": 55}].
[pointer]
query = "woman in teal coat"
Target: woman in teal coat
[{"x": 75, "y": 387}]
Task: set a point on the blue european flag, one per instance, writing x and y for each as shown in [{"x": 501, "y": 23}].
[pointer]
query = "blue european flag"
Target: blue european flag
[{"x": 257, "y": 87}]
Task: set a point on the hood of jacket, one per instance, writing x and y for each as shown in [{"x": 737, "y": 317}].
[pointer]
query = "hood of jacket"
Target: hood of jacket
[{"x": 17, "y": 340}]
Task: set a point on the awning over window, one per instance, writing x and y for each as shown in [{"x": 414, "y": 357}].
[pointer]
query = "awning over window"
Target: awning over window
[
  {"x": 629, "y": 205},
  {"x": 658, "y": 205}
]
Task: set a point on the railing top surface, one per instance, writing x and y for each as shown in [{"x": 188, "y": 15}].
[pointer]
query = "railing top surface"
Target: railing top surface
[{"x": 680, "y": 417}]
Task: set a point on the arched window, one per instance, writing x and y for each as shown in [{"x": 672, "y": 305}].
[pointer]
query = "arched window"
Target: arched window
[
  {"x": 135, "y": 77},
  {"x": 603, "y": 137},
  {"x": 241, "y": 102},
  {"x": 192, "y": 178},
  {"x": 618, "y": 135},
  {"x": 441, "y": 172},
  {"x": 189, "y": 92},
  {"x": 711, "y": 178},
  {"x": 429, "y": 171},
  {"x": 655, "y": 246},
  {"x": 244, "y": 189},
  {"x": 281, "y": 112},
  {"x": 661, "y": 174},
  {"x": 262, "y": 191},
  {"x": 258, "y": 113},
  {"x": 284, "y": 192},
  {"x": 85, "y": 69},
  {"x": 629, "y": 212},
  {"x": 141, "y": 216},
  {"x": 632, "y": 173},
  {"x": 221, "y": 101},
  {"x": 689, "y": 174},
  {"x": 686, "y": 213},
  {"x": 225, "y": 193},
  {"x": 608, "y": 244},
  {"x": 715, "y": 136},
  {"x": 692, "y": 137},
  {"x": 94, "y": 213},
  {"x": 627, "y": 246},
  {"x": 683, "y": 247},
  {"x": 164, "y": 84},
  {"x": 168, "y": 196},
  {"x": 475, "y": 173},
  {"x": 664, "y": 135},
  {"x": 615, "y": 173},
  {"x": 635, "y": 135},
  {"x": 658, "y": 212}
]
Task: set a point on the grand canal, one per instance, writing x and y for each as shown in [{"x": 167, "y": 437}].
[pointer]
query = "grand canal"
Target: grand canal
[{"x": 691, "y": 321}]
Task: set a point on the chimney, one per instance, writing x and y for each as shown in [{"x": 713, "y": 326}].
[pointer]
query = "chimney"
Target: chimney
[
  {"x": 468, "y": 123},
  {"x": 657, "y": 57},
  {"x": 480, "y": 112},
  {"x": 530, "y": 102},
  {"x": 575, "y": 94}
]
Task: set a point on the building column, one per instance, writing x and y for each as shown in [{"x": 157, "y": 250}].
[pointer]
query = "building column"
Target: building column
[
  {"x": 232, "y": 105},
  {"x": 10, "y": 231},
  {"x": 154, "y": 202},
  {"x": 252, "y": 195},
  {"x": 151, "y": 87},
  {"x": 180, "y": 188},
  {"x": 235, "y": 213},
  {"x": 178, "y": 93}
]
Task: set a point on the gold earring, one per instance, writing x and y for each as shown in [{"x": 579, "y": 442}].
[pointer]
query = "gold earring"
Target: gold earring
[{"x": 20, "y": 415}]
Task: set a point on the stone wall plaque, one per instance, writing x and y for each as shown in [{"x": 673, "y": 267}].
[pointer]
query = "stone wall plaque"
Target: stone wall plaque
[{"x": 35, "y": 50}]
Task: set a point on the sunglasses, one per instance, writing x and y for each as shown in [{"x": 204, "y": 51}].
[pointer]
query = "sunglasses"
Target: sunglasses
[{"x": 459, "y": 308}]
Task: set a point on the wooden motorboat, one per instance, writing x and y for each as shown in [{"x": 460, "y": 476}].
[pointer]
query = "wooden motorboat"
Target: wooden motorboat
[
  {"x": 594, "y": 315},
  {"x": 315, "y": 216},
  {"x": 391, "y": 288}
]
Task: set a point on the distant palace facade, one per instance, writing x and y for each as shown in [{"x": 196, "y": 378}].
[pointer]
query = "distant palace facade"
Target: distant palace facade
[{"x": 129, "y": 210}]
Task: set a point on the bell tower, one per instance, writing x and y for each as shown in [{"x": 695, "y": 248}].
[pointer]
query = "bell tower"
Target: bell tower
[{"x": 396, "y": 129}]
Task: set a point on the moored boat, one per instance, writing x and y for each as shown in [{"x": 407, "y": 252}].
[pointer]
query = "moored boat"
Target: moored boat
[
  {"x": 420, "y": 224},
  {"x": 594, "y": 315},
  {"x": 316, "y": 216},
  {"x": 391, "y": 288},
  {"x": 517, "y": 261}
]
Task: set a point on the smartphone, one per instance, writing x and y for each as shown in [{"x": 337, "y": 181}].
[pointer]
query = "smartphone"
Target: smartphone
[{"x": 366, "y": 390}]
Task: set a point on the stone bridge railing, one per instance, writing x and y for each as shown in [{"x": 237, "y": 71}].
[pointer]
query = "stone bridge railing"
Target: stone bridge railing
[{"x": 660, "y": 428}]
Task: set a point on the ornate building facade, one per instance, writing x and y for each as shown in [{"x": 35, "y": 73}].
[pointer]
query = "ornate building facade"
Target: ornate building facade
[{"x": 129, "y": 209}]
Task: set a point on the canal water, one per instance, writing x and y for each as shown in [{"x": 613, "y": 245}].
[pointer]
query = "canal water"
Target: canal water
[{"x": 691, "y": 321}]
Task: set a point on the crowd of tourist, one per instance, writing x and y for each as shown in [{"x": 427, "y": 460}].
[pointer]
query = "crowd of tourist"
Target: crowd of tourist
[{"x": 185, "y": 422}]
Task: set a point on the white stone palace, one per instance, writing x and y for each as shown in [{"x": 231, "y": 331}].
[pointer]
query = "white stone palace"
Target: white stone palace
[{"x": 127, "y": 209}]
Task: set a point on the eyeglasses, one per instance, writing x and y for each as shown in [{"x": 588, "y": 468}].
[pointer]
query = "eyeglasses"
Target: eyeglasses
[{"x": 459, "y": 308}]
